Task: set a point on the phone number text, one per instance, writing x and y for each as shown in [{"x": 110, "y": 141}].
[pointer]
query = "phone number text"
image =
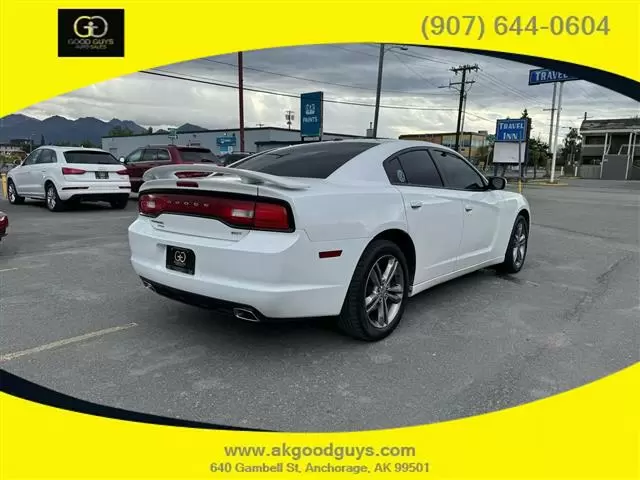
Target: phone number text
[{"x": 476, "y": 26}]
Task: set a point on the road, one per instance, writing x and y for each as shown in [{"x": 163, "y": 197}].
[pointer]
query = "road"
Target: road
[{"x": 75, "y": 318}]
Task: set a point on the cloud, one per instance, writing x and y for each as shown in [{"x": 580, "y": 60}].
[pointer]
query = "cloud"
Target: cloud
[{"x": 415, "y": 83}]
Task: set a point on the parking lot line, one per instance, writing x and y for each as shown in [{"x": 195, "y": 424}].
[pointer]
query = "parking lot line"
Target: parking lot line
[
  {"x": 66, "y": 341},
  {"x": 8, "y": 269}
]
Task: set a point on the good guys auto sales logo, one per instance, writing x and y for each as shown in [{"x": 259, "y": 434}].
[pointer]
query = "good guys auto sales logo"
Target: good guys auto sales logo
[
  {"x": 91, "y": 33},
  {"x": 90, "y": 25}
]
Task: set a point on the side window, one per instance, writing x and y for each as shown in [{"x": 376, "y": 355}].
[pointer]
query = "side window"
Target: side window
[
  {"x": 457, "y": 173},
  {"x": 163, "y": 155},
  {"x": 135, "y": 156},
  {"x": 149, "y": 155},
  {"x": 32, "y": 158},
  {"x": 394, "y": 171},
  {"x": 47, "y": 156},
  {"x": 419, "y": 169}
]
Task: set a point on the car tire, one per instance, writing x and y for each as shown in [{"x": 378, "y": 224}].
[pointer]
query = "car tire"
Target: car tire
[
  {"x": 372, "y": 326},
  {"x": 516, "y": 253},
  {"x": 51, "y": 198},
  {"x": 12, "y": 194},
  {"x": 120, "y": 203}
]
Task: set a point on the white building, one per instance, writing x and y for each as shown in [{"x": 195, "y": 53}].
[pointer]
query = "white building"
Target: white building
[{"x": 255, "y": 139}]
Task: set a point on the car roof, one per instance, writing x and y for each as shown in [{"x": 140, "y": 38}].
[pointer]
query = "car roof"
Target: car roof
[
  {"x": 66, "y": 149},
  {"x": 389, "y": 142},
  {"x": 167, "y": 145}
]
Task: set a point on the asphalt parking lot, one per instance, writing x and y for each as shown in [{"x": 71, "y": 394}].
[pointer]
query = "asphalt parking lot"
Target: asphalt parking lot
[{"x": 76, "y": 318}]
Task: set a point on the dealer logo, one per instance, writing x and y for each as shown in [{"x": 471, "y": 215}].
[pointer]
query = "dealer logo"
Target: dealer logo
[
  {"x": 90, "y": 25},
  {"x": 90, "y": 33}
]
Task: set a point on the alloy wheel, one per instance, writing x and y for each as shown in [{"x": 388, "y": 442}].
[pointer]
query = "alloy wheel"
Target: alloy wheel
[
  {"x": 51, "y": 198},
  {"x": 11, "y": 193},
  {"x": 384, "y": 291},
  {"x": 519, "y": 245}
]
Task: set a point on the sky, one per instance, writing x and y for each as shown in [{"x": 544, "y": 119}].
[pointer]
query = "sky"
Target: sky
[{"x": 416, "y": 92}]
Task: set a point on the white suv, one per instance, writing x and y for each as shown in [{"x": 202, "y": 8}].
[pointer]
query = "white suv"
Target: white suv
[{"x": 66, "y": 174}]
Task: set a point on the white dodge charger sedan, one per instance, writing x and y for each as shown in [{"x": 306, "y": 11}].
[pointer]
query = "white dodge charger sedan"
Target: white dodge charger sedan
[
  {"x": 347, "y": 229},
  {"x": 60, "y": 175}
]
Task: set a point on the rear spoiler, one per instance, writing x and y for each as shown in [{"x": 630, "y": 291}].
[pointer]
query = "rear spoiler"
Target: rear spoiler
[{"x": 168, "y": 172}]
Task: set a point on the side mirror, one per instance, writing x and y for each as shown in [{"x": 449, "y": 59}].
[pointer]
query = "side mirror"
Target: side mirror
[{"x": 497, "y": 183}]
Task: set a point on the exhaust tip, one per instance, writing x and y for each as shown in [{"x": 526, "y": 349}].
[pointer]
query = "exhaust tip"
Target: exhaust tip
[
  {"x": 244, "y": 314},
  {"x": 147, "y": 285}
]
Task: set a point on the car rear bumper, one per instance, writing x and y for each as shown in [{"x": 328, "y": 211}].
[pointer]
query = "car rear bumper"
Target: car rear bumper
[
  {"x": 93, "y": 190},
  {"x": 275, "y": 275}
]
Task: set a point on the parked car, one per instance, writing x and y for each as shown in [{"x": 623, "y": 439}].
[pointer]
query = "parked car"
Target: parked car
[
  {"x": 4, "y": 224},
  {"x": 60, "y": 175},
  {"x": 142, "y": 159},
  {"x": 229, "y": 158},
  {"x": 346, "y": 229}
]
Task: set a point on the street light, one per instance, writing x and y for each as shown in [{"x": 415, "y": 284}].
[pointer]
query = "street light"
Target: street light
[{"x": 378, "y": 90}]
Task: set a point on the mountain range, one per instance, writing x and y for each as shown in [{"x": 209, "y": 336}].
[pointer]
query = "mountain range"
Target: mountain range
[{"x": 59, "y": 129}]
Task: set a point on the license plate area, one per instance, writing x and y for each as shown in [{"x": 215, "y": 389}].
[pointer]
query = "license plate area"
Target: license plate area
[
  {"x": 102, "y": 175},
  {"x": 181, "y": 260}
]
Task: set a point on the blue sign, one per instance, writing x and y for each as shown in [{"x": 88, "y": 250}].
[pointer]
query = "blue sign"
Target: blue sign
[
  {"x": 311, "y": 114},
  {"x": 544, "y": 75},
  {"x": 512, "y": 130},
  {"x": 226, "y": 141}
]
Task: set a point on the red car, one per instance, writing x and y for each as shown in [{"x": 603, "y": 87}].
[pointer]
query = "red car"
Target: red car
[
  {"x": 4, "y": 224},
  {"x": 144, "y": 158}
]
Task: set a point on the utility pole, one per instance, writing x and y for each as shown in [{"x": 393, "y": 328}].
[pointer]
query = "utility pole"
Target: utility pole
[
  {"x": 552, "y": 109},
  {"x": 378, "y": 90},
  {"x": 241, "y": 100},
  {"x": 555, "y": 146},
  {"x": 464, "y": 69}
]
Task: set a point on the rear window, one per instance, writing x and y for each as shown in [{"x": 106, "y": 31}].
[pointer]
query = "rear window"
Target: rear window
[
  {"x": 317, "y": 160},
  {"x": 92, "y": 158},
  {"x": 197, "y": 155}
]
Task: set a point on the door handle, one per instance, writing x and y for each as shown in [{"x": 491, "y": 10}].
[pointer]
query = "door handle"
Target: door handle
[
  {"x": 468, "y": 208},
  {"x": 416, "y": 204}
]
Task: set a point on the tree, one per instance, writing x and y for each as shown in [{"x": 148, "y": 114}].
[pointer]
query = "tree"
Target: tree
[
  {"x": 119, "y": 131},
  {"x": 571, "y": 145},
  {"x": 42, "y": 141},
  {"x": 88, "y": 144},
  {"x": 528, "y": 151},
  {"x": 150, "y": 130}
]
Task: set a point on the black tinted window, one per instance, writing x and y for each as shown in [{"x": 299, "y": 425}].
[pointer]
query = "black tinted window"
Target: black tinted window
[
  {"x": 457, "y": 173},
  {"x": 419, "y": 169},
  {"x": 316, "y": 160},
  {"x": 90, "y": 157},
  {"x": 394, "y": 171},
  {"x": 197, "y": 155}
]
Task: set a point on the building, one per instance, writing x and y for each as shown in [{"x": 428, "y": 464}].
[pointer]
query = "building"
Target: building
[
  {"x": 255, "y": 140},
  {"x": 610, "y": 149},
  {"x": 471, "y": 143},
  {"x": 12, "y": 150}
]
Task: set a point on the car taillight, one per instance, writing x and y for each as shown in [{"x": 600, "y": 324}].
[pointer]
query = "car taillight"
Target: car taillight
[
  {"x": 260, "y": 215},
  {"x": 72, "y": 171},
  {"x": 123, "y": 172},
  {"x": 192, "y": 174}
]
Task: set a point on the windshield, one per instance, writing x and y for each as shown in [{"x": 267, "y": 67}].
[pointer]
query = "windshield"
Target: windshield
[
  {"x": 197, "y": 155},
  {"x": 316, "y": 160},
  {"x": 90, "y": 157}
]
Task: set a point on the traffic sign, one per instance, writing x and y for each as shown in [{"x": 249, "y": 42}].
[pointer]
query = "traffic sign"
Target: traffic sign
[
  {"x": 511, "y": 130},
  {"x": 311, "y": 114},
  {"x": 541, "y": 76}
]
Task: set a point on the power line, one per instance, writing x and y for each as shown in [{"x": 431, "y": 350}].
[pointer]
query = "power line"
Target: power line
[
  {"x": 305, "y": 79},
  {"x": 217, "y": 83},
  {"x": 415, "y": 72}
]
